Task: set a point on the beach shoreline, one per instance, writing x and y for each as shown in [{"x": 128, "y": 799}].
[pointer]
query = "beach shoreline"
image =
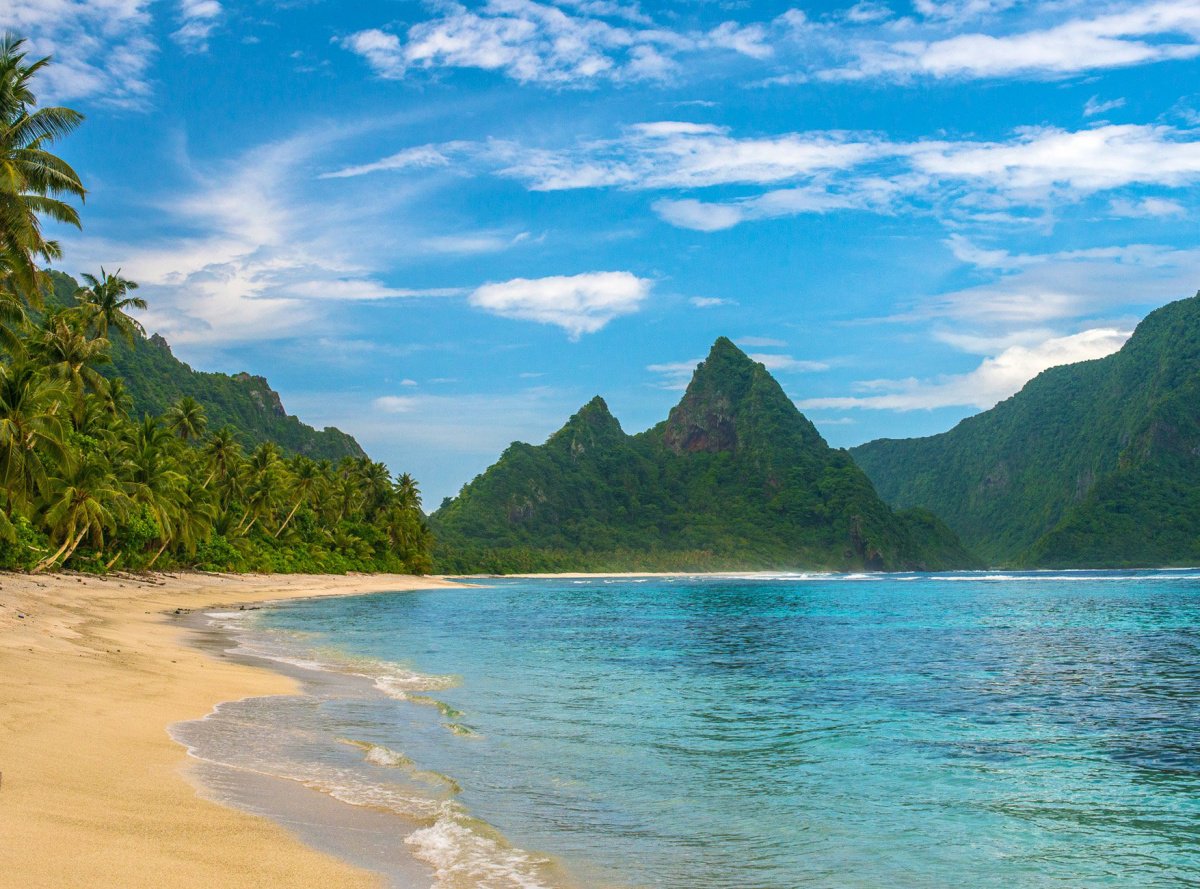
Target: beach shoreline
[{"x": 93, "y": 790}]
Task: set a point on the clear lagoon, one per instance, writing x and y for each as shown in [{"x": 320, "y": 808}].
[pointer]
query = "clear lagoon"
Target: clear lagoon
[{"x": 905, "y": 730}]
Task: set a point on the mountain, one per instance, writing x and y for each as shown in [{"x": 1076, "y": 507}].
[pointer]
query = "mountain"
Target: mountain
[
  {"x": 156, "y": 379},
  {"x": 735, "y": 478},
  {"x": 1095, "y": 464}
]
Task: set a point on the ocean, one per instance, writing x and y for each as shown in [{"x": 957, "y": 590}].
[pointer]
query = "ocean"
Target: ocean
[{"x": 769, "y": 730}]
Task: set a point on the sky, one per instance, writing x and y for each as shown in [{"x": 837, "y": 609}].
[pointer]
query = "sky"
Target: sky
[{"x": 444, "y": 227}]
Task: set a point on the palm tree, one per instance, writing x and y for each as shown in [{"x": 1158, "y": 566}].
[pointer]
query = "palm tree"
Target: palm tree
[
  {"x": 223, "y": 454},
  {"x": 105, "y": 304},
  {"x": 306, "y": 478},
  {"x": 68, "y": 354},
  {"x": 86, "y": 502},
  {"x": 186, "y": 418},
  {"x": 154, "y": 480},
  {"x": 33, "y": 434},
  {"x": 33, "y": 181}
]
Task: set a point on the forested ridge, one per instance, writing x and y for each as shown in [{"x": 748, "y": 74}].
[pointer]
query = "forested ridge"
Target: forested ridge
[
  {"x": 735, "y": 478},
  {"x": 1095, "y": 464},
  {"x": 109, "y": 458}
]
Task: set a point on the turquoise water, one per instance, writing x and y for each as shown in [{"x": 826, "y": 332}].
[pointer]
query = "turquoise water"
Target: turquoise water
[{"x": 839, "y": 731}]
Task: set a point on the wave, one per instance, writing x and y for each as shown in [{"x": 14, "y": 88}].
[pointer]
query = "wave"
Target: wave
[
  {"x": 385, "y": 757},
  {"x": 465, "y": 852}
]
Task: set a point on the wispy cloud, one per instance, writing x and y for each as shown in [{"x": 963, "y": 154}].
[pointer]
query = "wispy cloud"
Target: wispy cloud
[
  {"x": 1095, "y": 105},
  {"x": 578, "y": 304},
  {"x": 992, "y": 381},
  {"x": 198, "y": 19},
  {"x": 1124, "y": 35},
  {"x": 674, "y": 376},
  {"x": 776, "y": 363},
  {"x": 821, "y": 172}
]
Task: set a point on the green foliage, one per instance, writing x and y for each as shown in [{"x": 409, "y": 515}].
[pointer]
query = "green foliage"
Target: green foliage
[
  {"x": 735, "y": 478},
  {"x": 104, "y": 455},
  {"x": 155, "y": 380},
  {"x": 25, "y": 548},
  {"x": 1095, "y": 464}
]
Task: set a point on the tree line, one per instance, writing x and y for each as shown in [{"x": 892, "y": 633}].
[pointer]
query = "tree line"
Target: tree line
[{"x": 86, "y": 484}]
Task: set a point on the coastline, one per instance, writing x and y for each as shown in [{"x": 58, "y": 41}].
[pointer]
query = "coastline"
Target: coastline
[{"x": 93, "y": 790}]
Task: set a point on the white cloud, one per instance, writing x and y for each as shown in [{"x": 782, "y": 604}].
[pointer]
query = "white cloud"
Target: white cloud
[
  {"x": 867, "y": 11},
  {"x": 819, "y": 172},
  {"x": 578, "y": 304},
  {"x": 398, "y": 404},
  {"x": 777, "y": 363},
  {"x": 762, "y": 342},
  {"x": 199, "y": 18},
  {"x": 242, "y": 255},
  {"x": 995, "y": 379},
  {"x": 710, "y": 302},
  {"x": 1130, "y": 34},
  {"x": 1095, "y": 105},
  {"x": 544, "y": 43},
  {"x": 419, "y": 156},
  {"x": 102, "y": 49},
  {"x": 1044, "y": 290},
  {"x": 674, "y": 375},
  {"x": 1150, "y": 208}
]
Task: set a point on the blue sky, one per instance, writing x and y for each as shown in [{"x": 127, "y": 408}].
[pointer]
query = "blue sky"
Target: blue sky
[{"x": 444, "y": 227}]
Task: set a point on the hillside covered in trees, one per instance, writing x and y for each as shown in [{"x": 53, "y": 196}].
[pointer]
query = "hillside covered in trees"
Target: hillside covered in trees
[
  {"x": 155, "y": 379},
  {"x": 735, "y": 478},
  {"x": 1095, "y": 464},
  {"x": 108, "y": 452}
]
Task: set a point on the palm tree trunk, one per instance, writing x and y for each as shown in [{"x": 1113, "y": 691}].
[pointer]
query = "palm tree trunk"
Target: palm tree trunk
[
  {"x": 159, "y": 553},
  {"x": 289, "y": 518},
  {"x": 78, "y": 540},
  {"x": 113, "y": 560},
  {"x": 46, "y": 563}
]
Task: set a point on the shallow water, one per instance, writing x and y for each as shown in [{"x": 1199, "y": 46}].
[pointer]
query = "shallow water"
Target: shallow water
[{"x": 767, "y": 731}]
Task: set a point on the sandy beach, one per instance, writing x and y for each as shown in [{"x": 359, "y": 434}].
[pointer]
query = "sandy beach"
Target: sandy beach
[{"x": 93, "y": 791}]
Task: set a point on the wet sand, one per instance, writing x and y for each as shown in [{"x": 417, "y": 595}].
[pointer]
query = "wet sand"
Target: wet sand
[{"x": 93, "y": 791}]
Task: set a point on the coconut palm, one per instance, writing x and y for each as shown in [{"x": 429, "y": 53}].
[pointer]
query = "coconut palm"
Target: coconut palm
[
  {"x": 105, "y": 302},
  {"x": 85, "y": 503},
  {"x": 186, "y": 418},
  {"x": 33, "y": 181},
  {"x": 306, "y": 479},
  {"x": 68, "y": 355},
  {"x": 33, "y": 432}
]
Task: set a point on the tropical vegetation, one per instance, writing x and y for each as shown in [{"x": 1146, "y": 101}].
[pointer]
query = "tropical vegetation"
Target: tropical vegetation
[
  {"x": 91, "y": 483},
  {"x": 735, "y": 478},
  {"x": 1091, "y": 465}
]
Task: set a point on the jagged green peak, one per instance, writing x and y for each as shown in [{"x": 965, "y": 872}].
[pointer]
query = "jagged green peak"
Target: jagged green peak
[
  {"x": 731, "y": 400},
  {"x": 591, "y": 423}
]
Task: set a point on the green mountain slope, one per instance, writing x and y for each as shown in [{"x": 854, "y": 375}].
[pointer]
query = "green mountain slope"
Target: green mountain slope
[
  {"x": 1094, "y": 464},
  {"x": 156, "y": 379},
  {"x": 736, "y": 477}
]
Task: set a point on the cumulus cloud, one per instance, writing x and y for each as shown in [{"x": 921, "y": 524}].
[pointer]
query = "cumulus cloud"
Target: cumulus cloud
[
  {"x": 542, "y": 43},
  {"x": 102, "y": 49},
  {"x": 995, "y": 379},
  {"x": 578, "y": 304}
]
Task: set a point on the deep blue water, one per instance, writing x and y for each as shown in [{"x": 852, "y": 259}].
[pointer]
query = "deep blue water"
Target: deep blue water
[{"x": 1017, "y": 730}]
